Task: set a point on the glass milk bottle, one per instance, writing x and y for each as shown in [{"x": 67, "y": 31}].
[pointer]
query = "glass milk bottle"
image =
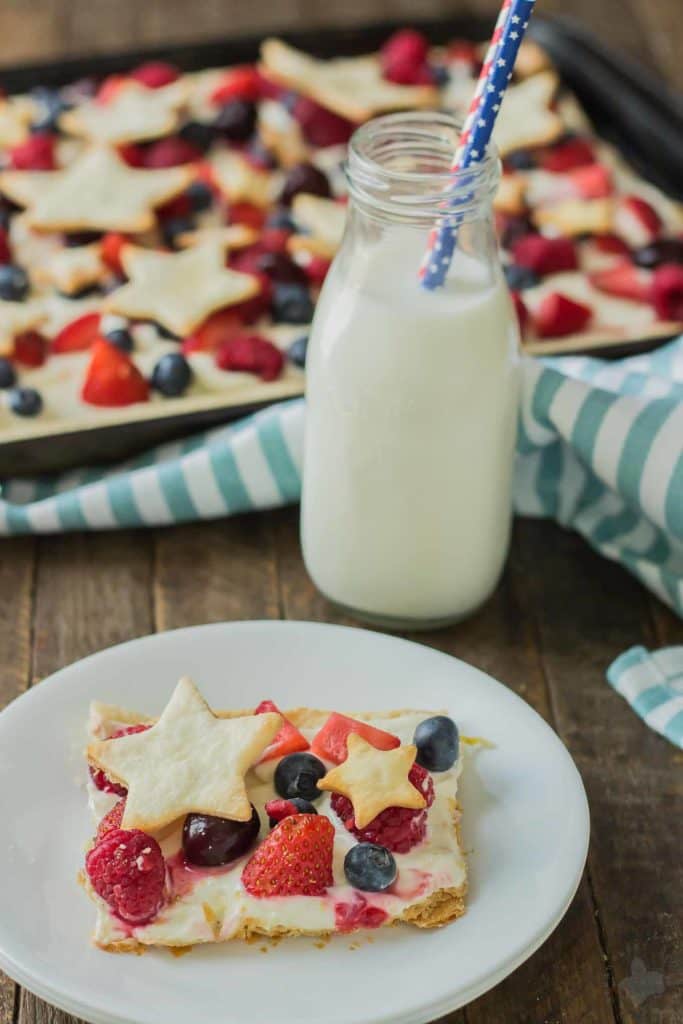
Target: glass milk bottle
[{"x": 411, "y": 394}]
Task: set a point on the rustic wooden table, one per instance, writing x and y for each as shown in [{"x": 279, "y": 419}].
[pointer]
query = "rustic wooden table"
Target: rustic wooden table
[{"x": 557, "y": 619}]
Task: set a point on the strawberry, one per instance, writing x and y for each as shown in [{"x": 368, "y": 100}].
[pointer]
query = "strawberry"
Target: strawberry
[
  {"x": 110, "y": 87},
  {"x": 558, "y": 315},
  {"x": 594, "y": 181},
  {"x": 216, "y": 329},
  {"x": 127, "y": 870},
  {"x": 5, "y": 251},
  {"x": 636, "y": 221},
  {"x": 624, "y": 280},
  {"x": 247, "y": 213},
  {"x": 330, "y": 741},
  {"x": 239, "y": 83},
  {"x": 112, "y": 820},
  {"x": 568, "y": 155},
  {"x": 132, "y": 154},
  {"x": 521, "y": 310},
  {"x": 320, "y": 126},
  {"x": 545, "y": 255},
  {"x": 112, "y": 378},
  {"x": 404, "y": 58},
  {"x": 36, "y": 154},
  {"x": 611, "y": 244},
  {"x": 667, "y": 291},
  {"x": 287, "y": 741},
  {"x": 170, "y": 152},
  {"x": 251, "y": 353},
  {"x": 295, "y": 859},
  {"x": 78, "y": 335},
  {"x": 155, "y": 74},
  {"x": 30, "y": 349},
  {"x": 110, "y": 251}
]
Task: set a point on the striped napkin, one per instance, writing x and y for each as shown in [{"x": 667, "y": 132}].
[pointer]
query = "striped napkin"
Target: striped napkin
[{"x": 652, "y": 683}]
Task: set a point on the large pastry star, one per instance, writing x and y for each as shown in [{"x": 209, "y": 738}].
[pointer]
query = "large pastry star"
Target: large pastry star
[
  {"x": 178, "y": 290},
  {"x": 134, "y": 112},
  {"x": 190, "y": 761},
  {"x": 353, "y": 87},
  {"x": 374, "y": 779},
  {"x": 98, "y": 192}
]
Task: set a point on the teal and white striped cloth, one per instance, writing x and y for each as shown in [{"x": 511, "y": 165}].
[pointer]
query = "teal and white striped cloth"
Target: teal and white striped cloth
[
  {"x": 600, "y": 450},
  {"x": 652, "y": 683}
]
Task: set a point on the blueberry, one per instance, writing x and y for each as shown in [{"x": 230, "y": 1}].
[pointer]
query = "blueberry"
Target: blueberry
[
  {"x": 52, "y": 106},
  {"x": 261, "y": 155},
  {"x": 304, "y": 178},
  {"x": 281, "y": 220},
  {"x": 236, "y": 120},
  {"x": 297, "y": 775},
  {"x": 25, "y": 402},
  {"x": 209, "y": 842},
  {"x": 296, "y": 352},
  {"x": 291, "y": 304},
  {"x": 198, "y": 133},
  {"x": 122, "y": 338},
  {"x": 174, "y": 226},
  {"x": 8, "y": 376},
  {"x": 281, "y": 268},
  {"x": 438, "y": 742},
  {"x": 172, "y": 375},
  {"x": 521, "y": 160},
  {"x": 668, "y": 250},
  {"x": 302, "y": 806},
  {"x": 441, "y": 75},
  {"x": 519, "y": 278},
  {"x": 200, "y": 196},
  {"x": 370, "y": 867},
  {"x": 14, "y": 283}
]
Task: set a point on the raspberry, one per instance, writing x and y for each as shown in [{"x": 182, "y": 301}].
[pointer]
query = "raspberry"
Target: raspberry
[
  {"x": 247, "y": 213},
  {"x": 30, "y": 349},
  {"x": 250, "y": 353},
  {"x": 403, "y": 58},
  {"x": 545, "y": 255},
  {"x": 567, "y": 156},
  {"x": 295, "y": 859},
  {"x": 5, "y": 251},
  {"x": 132, "y": 154},
  {"x": 320, "y": 126},
  {"x": 170, "y": 152},
  {"x": 127, "y": 870},
  {"x": 100, "y": 780},
  {"x": 36, "y": 154},
  {"x": 111, "y": 821},
  {"x": 397, "y": 828},
  {"x": 155, "y": 74},
  {"x": 521, "y": 310}
]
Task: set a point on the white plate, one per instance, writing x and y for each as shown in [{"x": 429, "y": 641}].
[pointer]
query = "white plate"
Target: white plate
[{"x": 525, "y": 817}]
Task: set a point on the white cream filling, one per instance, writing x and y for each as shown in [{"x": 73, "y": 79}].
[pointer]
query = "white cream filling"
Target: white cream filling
[{"x": 219, "y": 897}]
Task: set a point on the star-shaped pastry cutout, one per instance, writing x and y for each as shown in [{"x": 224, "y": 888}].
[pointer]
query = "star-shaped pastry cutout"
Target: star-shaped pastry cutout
[
  {"x": 70, "y": 270},
  {"x": 374, "y": 779},
  {"x": 134, "y": 112},
  {"x": 15, "y": 318},
  {"x": 190, "y": 761},
  {"x": 352, "y": 87},
  {"x": 98, "y": 192},
  {"x": 16, "y": 113},
  {"x": 240, "y": 182},
  {"x": 525, "y": 117},
  {"x": 230, "y": 236},
  {"x": 323, "y": 221},
  {"x": 178, "y": 290}
]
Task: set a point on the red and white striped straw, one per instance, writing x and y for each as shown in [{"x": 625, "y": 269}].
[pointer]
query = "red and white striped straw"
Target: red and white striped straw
[{"x": 496, "y": 72}]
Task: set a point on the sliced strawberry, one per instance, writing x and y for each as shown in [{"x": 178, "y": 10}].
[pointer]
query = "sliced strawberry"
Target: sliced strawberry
[
  {"x": 330, "y": 741},
  {"x": 132, "y": 154},
  {"x": 558, "y": 315},
  {"x": 78, "y": 335},
  {"x": 623, "y": 280},
  {"x": 521, "y": 311},
  {"x": 110, "y": 251},
  {"x": 295, "y": 859},
  {"x": 239, "y": 83},
  {"x": 636, "y": 221},
  {"x": 251, "y": 353},
  {"x": 321, "y": 127},
  {"x": 667, "y": 291},
  {"x": 112, "y": 379},
  {"x": 170, "y": 152},
  {"x": 216, "y": 329},
  {"x": 110, "y": 87},
  {"x": 30, "y": 349},
  {"x": 287, "y": 741},
  {"x": 611, "y": 244},
  {"x": 568, "y": 155},
  {"x": 36, "y": 154},
  {"x": 545, "y": 255},
  {"x": 247, "y": 213},
  {"x": 592, "y": 182},
  {"x": 155, "y": 74}
]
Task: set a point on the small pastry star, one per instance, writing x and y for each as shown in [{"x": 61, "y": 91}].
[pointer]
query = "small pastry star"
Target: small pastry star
[
  {"x": 178, "y": 290},
  {"x": 16, "y": 113},
  {"x": 70, "y": 270},
  {"x": 374, "y": 779},
  {"x": 240, "y": 182},
  {"x": 189, "y": 761},
  {"x": 98, "y": 192},
  {"x": 134, "y": 112}
]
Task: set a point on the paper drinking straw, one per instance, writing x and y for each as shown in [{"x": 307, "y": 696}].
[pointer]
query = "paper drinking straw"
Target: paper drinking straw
[{"x": 495, "y": 74}]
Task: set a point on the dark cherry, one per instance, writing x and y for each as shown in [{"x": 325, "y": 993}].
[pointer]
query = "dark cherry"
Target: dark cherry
[
  {"x": 280, "y": 267},
  {"x": 304, "y": 178},
  {"x": 667, "y": 250},
  {"x": 236, "y": 120},
  {"x": 209, "y": 842}
]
